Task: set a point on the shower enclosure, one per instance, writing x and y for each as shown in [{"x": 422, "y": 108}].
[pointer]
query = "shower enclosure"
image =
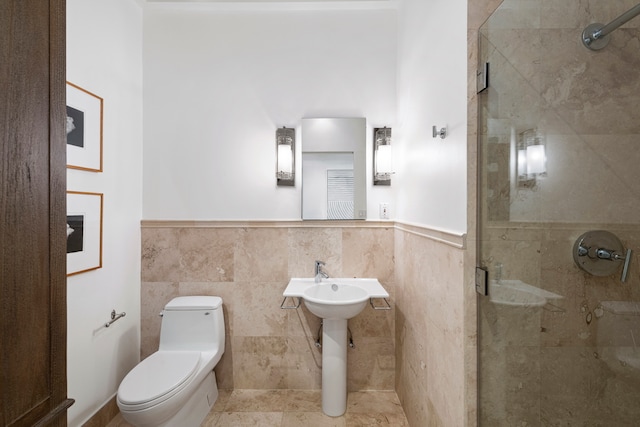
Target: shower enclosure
[{"x": 559, "y": 210}]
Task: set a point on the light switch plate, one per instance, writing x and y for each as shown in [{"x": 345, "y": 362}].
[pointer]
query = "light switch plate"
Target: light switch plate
[{"x": 384, "y": 210}]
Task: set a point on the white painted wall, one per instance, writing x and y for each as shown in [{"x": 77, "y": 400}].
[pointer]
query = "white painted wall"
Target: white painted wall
[
  {"x": 104, "y": 56},
  {"x": 219, "y": 82},
  {"x": 432, "y": 90}
]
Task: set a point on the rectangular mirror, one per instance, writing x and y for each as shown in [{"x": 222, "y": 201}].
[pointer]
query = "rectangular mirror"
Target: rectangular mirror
[{"x": 334, "y": 168}]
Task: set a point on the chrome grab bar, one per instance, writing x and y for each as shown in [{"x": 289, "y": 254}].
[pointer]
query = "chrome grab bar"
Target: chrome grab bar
[{"x": 114, "y": 317}]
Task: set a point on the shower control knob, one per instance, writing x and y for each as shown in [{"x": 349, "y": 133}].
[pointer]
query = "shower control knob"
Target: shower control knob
[
  {"x": 604, "y": 254},
  {"x": 582, "y": 251},
  {"x": 593, "y": 249}
]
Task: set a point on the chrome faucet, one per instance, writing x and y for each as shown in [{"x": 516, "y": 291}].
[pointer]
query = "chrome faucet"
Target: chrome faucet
[{"x": 319, "y": 272}]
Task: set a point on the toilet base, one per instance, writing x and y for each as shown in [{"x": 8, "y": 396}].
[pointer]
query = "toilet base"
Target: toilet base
[
  {"x": 191, "y": 414},
  {"x": 196, "y": 409}
]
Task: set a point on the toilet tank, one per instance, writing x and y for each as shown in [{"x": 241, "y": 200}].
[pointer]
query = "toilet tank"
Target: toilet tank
[
  {"x": 619, "y": 324},
  {"x": 194, "y": 323}
]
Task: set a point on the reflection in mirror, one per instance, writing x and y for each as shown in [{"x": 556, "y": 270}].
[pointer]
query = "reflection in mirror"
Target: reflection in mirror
[
  {"x": 328, "y": 186},
  {"x": 333, "y": 168}
]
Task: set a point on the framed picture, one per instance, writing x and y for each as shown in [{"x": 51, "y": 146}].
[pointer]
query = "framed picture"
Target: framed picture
[
  {"x": 84, "y": 232},
  {"x": 84, "y": 129}
]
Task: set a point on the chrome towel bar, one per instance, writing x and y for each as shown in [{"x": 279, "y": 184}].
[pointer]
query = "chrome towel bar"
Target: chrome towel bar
[
  {"x": 289, "y": 307},
  {"x": 380, "y": 307},
  {"x": 114, "y": 317}
]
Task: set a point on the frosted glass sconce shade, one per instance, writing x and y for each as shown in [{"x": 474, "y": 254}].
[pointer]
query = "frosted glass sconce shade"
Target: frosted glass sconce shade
[
  {"x": 382, "y": 155},
  {"x": 531, "y": 159},
  {"x": 536, "y": 159},
  {"x": 285, "y": 152}
]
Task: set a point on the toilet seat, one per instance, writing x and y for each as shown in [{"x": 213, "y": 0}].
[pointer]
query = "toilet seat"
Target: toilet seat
[{"x": 157, "y": 378}]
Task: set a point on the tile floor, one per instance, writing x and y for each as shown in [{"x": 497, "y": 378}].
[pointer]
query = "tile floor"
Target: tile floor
[{"x": 298, "y": 408}]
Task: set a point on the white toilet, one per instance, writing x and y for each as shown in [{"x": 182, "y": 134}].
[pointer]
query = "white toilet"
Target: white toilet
[
  {"x": 618, "y": 337},
  {"x": 176, "y": 385}
]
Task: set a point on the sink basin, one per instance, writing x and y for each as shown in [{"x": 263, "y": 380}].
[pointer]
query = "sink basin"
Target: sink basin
[
  {"x": 335, "y": 298},
  {"x": 335, "y": 301}
]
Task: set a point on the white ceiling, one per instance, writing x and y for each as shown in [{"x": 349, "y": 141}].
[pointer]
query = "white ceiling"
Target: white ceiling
[
  {"x": 251, "y": 5},
  {"x": 262, "y": 1}
]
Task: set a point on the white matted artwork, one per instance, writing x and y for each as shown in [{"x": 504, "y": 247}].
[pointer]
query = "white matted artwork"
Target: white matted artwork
[
  {"x": 84, "y": 129},
  {"x": 84, "y": 232}
]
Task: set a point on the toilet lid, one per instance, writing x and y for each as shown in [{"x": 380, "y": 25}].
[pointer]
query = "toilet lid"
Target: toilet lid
[{"x": 158, "y": 375}]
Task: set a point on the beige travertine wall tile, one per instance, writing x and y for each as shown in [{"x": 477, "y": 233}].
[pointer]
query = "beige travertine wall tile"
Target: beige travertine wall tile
[
  {"x": 368, "y": 253},
  {"x": 304, "y": 364},
  {"x": 187, "y": 254},
  {"x": 372, "y": 323},
  {"x": 260, "y": 362},
  {"x": 301, "y": 322},
  {"x": 270, "y": 348},
  {"x": 547, "y": 362},
  {"x": 306, "y": 245},
  {"x": 267, "y": 347},
  {"x": 479, "y": 11},
  {"x": 584, "y": 95},
  {"x": 206, "y": 254},
  {"x": 371, "y": 364},
  {"x": 445, "y": 372},
  {"x": 257, "y": 309},
  {"x": 160, "y": 255},
  {"x": 430, "y": 331},
  {"x": 412, "y": 375},
  {"x": 261, "y": 255}
]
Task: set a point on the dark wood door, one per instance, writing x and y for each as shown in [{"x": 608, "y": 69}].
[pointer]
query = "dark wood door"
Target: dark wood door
[{"x": 32, "y": 213}]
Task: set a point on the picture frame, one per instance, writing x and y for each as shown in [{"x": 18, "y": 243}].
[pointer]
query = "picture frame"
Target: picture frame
[
  {"x": 84, "y": 129},
  {"x": 84, "y": 232}
]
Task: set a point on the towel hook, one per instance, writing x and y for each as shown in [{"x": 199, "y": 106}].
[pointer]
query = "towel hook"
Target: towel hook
[{"x": 442, "y": 133}]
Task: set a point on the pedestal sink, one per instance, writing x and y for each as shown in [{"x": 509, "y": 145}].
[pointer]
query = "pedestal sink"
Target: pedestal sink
[{"x": 335, "y": 301}]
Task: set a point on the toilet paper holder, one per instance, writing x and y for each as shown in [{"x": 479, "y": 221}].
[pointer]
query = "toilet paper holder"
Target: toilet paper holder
[{"x": 114, "y": 317}]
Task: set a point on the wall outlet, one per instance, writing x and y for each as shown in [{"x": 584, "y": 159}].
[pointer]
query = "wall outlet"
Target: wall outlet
[{"x": 384, "y": 210}]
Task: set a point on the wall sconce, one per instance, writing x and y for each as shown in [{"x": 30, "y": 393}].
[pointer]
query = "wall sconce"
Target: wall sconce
[
  {"x": 532, "y": 159},
  {"x": 382, "y": 169},
  {"x": 286, "y": 156}
]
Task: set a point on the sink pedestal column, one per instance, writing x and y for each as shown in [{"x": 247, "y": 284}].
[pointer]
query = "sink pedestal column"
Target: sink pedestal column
[{"x": 334, "y": 367}]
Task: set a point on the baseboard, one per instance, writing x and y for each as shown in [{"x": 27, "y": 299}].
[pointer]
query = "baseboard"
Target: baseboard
[{"x": 104, "y": 415}]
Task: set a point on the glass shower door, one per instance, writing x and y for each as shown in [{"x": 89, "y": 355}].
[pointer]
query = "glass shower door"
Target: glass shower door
[{"x": 559, "y": 157}]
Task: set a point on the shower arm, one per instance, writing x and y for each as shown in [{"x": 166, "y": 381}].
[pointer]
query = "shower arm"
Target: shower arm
[{"x": 595, "y": 35}]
